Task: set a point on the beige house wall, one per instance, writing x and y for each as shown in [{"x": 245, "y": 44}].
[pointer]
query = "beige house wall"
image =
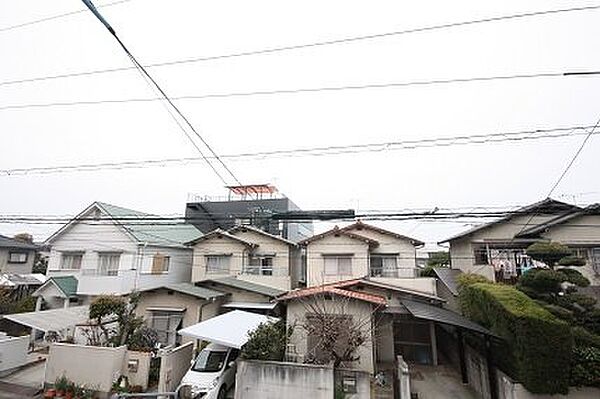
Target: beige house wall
[
  {"x": 296, "y": 314},
  {"x": 282, "y": 260},
  {"x": 333, "y": 245},
  {"x": 389, "y": 244},
  {"x": 196, "y": 309},
  {"x": 218, "y": 246}
]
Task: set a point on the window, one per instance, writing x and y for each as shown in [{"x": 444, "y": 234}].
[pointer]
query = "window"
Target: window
[
  {"x": 71, "y": 260},
  {"x": 260, "y": 265},
  {"x": 384, "y": 266},
  {"x": 338, "y": 265},
  {"x": 218, "y": 264},
  {"x": 160, "y": 263},
  {"x": 108, "y": 263},
  {"x": 481, "y": 256},
  {"x": 166, "y": 323},
  {"x": 17, "y": 257}
]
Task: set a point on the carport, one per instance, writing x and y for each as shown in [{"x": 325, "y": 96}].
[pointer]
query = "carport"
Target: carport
[
  {"x": 54, "y": 320},
  {"x": 230, "y": 329}
]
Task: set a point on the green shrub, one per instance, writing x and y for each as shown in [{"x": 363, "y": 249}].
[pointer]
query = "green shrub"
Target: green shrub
[
  {"x": 548, "y": 252},
  {"x": 573, "y": 276},
  {"x": 558, "y": 311},
  {"x": 585, "y": 366},
  {"x": 572, "y": 260},
  {"x": 542, "y": 280},
  {"x": 267, "y": 342},
  {"x": 467, "y": 279},
  {"x": 582, "y": 337},
  {"x": 427, "y": 272},
  {"x": 591, "y": 320},
  {"x": 537, "y": 346}
]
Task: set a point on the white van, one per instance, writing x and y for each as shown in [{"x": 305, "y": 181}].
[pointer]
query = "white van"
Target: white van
[{"x": 212, "y": 373}]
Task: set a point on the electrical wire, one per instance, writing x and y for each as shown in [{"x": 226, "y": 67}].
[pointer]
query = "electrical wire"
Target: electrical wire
[
  {"x": 58, "y": 16},
  {"x": 303, "y": 46},
  {"x": 401, "y": 145},
  {"x": 164, "y": 96},
  {"x": 308, "y": 90}
]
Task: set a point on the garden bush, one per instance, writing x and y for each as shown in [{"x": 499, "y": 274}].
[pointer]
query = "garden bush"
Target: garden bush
[
  {"x": 573, "y": 276},
  {"x": 537, "y": 346},
  {"x": 542, "y": 280},
  {"x": 572, "y": 260},
  {"x": 267, "y": 342},
  {"x": 585, "y": 366},
  {"x": 467, "y": 279}
]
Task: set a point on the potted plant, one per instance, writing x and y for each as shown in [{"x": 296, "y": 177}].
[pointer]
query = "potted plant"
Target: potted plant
[
  {"x": 61, "y": 385},
  {"x": 70, "y": 390}
]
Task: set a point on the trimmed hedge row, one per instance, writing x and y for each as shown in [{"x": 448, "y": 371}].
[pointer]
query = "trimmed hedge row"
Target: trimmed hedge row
[{"x": 537, "y": 347}]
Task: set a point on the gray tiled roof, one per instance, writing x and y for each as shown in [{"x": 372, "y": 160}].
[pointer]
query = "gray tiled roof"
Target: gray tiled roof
[
  {"x": 248, "y": 286},
  {"x": 153, "y": 232},
  {"x": 191, "y": 289},
  {"x": 425, "y": 311},
  {"x": 448, "y": 277},
  {"x": 7, "y": 242}
]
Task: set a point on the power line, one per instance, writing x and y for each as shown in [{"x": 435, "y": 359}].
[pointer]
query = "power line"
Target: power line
[
  {"x": 164, "y": 95},
  {"x": 53, "y": 17},
  {"x": 310, "y": 89},
  {"x": 346, "y": 40},
  {"x": 514, "y": 136}
]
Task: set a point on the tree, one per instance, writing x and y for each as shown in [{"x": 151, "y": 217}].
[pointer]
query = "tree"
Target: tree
[
  {"x": 439, "y": 259},
  {"x": 40, "y": 264},
  {"x": 24, "y": 237},
  {"x": 122, "y": 311},
  {"x": 267, "y": 342},
  {"x": 548, "y": 252},
  {"x": 334, "y": 332}
]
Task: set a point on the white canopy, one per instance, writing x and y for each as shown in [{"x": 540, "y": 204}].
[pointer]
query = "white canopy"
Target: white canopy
[
  {"x": 229, "y": 329},
  {"x": 52, "y": 320}
]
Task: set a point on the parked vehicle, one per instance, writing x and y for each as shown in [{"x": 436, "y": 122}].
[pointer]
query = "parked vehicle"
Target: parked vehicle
[{"x": 212, "y": 373}]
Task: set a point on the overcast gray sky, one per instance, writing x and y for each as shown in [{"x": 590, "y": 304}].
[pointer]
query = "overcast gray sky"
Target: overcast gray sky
[{"x": 159, "y": 30}]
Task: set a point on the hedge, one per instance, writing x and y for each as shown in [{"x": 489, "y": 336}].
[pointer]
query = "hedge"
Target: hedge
[{"x": 537, "y": 346}]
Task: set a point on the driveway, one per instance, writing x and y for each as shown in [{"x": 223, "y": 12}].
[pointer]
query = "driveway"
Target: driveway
[
  {"x": 23, "y": 383},
  {"x": 434, "y": 382}
]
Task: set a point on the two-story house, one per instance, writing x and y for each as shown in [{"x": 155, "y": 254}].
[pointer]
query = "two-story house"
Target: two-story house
[
  {"x": 16, "y": 256},
  {"x": 501, "y": 245},
  {"x": 247, "y": 253},
  {"x": 107, "y": 249},
  {"x": 362, "y": 250}
]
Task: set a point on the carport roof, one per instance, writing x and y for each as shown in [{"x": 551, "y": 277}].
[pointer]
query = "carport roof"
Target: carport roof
[
  {"x": 425, "y": 311},
  {"x": 52, "y": 320},
  {"x": 230, "y": 329}
]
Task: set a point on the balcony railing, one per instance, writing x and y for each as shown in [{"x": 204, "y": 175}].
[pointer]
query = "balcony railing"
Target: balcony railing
[{"x": 400, "y": 272}]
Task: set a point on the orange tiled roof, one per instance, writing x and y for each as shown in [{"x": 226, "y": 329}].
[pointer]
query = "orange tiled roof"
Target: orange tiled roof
[{"x": 336, "y": 289}]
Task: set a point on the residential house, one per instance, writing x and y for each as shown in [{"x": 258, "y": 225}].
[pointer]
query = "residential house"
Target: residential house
[
  {"x": 16, "y": 256},
  {"x": 497, "y": 250},
  {"x": 172, "y": 307},
  {"x": 251, "y": 205},
  {"x": 247, "y": 253},
  {"x": 113, "y": 250},
  {"x": 394, "y": 322},
  {"x": 362, "y": 250},
  {"x": 20, "y": 285}
]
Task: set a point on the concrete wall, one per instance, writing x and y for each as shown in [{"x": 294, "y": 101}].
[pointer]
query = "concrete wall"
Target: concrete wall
[
  {"x": 13, "y": 352},
  {"x": 139, "y": 376},
  {"x": 92, "y": 366},
  {"x": 360, "y": 311},
  {"x": 331, "y": 245},
  {"x": 275, "y": 380},
  {"x": 19, "y": 268},
  {"x": 508, "y": 389},
  {"x": 174, "y": 364}
]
